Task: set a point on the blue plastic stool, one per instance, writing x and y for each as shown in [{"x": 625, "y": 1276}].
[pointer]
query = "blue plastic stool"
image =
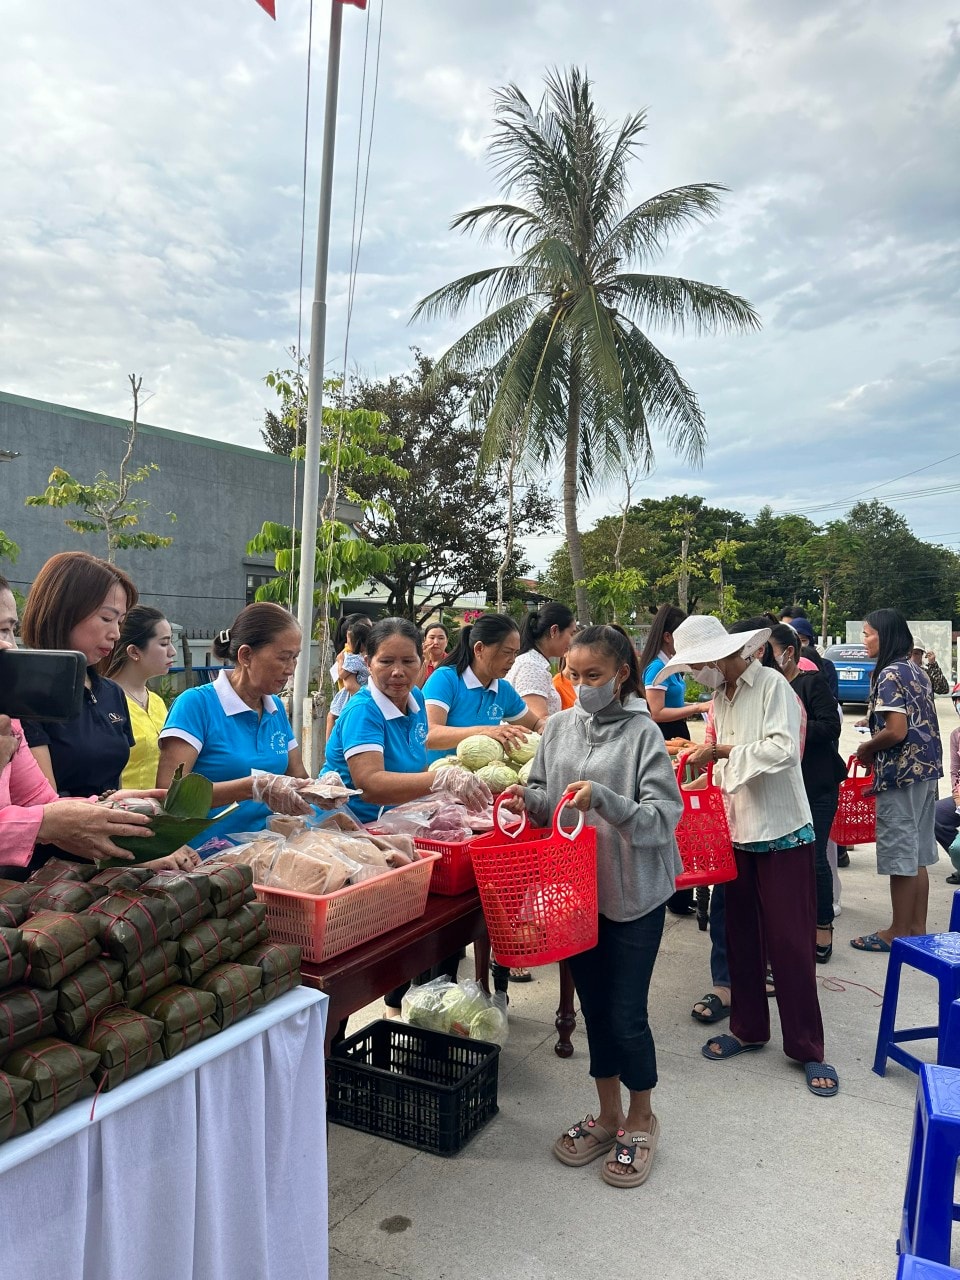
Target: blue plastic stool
[
  {"x": 937, "y": 954},
  {"x": 913, "y": 1268},
  {"x": 955, "y": 910},
  {"x": 928, "y": 1208}
]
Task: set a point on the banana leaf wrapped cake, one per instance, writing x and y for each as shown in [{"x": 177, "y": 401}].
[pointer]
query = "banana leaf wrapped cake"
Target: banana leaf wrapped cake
[
  {"x": 58, "y": 1073},
  {"x": 26, "y": 1014},
  {"x": 187, "y": 897},
  {"x": 237, "y": 989},
  {"x": 209, "y": 943},
  {"x": 14, "y": 1093},
  {"x": 188, "y": 1016},
  {"x": 279, "y": 962},
  {"x": 17, "y": 892},
  {"x": 58, "y": 944},
  {"x": 13, "y": 914},
  {"x": 131, "y": 923},
  {"x": 156, "y": 969},
  {"x": 127, "y": 1043},
  {"x": 115, "y": 878},
  {"x": 67, "y": 894},
  {"x": 250, "y": 921},
  {"x": 13, "y": 957},
  {"x": 230, "y": 887},
  {"x": 60, "y": 868},
  {"x": 83, "y": 995}
]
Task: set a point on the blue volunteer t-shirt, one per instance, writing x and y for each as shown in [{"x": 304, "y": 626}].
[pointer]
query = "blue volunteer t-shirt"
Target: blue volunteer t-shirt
[
  {"x": 371, "y": 722},
  {"x": 468, "y": 702},
  {"x": 674, "y": 685},
  {"x": 231, "y": 741}
]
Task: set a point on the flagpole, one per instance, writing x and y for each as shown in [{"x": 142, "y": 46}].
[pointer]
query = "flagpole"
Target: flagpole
[{"x": 318, "y": 328}]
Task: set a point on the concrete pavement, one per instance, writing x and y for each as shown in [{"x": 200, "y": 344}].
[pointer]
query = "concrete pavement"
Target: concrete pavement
[{"x": 754, "y": 1176}]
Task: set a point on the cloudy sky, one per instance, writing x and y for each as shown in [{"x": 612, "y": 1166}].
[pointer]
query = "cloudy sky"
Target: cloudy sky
[{"x": 150, "y": 171}]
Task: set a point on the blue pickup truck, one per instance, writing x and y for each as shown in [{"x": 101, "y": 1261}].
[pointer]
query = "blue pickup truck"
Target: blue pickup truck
[{"x": 853, "y": 671}]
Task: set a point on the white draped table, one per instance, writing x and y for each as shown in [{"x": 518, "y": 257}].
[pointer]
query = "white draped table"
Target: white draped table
[{"x": 211, "y": 1166}]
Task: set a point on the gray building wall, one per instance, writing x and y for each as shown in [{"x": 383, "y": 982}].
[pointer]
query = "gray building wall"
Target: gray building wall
[{"x": 221, "y": 493}]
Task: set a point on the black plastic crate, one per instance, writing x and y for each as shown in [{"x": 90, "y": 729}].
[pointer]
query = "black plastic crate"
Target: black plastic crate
[{"x": 422, "y": 1088}]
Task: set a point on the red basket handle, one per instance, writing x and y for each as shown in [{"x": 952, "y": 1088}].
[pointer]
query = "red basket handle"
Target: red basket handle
[
  {"x": 519, "y": 828},
  {"x": 682, "y": 764},
  {"x": 572, "y": 834},
  {"x": 853, "y": 764},
  {"x": 514, "y": 831}
]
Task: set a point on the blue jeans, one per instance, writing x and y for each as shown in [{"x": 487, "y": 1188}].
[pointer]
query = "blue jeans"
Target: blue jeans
[{"x": 612, "y": 981}]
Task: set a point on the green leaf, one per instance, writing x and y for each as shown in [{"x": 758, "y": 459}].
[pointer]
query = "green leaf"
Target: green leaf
[
  {"x": 188, "y": 797},
  {"x": 169, "y": 834}
]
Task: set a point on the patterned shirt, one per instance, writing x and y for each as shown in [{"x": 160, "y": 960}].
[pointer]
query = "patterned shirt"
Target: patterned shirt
[{"x": 903, "y": 688}]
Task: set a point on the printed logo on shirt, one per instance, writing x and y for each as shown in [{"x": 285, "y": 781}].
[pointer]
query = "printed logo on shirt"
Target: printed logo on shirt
[
  {"x": 497, "y": 711},
  {"x": 115, "y": 717},
  {"x": 278, "y": 742},
  {"x": 420, "y": 733}
]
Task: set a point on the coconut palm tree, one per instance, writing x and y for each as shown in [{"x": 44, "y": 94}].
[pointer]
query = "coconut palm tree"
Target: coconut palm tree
[{"x": 563, "y": 348}]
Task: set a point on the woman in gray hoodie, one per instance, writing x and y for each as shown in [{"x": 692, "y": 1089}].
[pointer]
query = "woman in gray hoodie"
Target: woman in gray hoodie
[{"x": 610, "y": 754}]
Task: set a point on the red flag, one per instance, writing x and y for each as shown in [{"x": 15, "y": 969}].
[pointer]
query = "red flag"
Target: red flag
[{"x": 269, "y": 6}]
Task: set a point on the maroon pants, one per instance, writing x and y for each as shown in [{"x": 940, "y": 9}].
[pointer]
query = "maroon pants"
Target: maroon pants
[{"x": 772, "y": 915}]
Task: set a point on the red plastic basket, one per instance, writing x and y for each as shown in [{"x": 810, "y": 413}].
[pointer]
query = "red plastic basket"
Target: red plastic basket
[
  {"x": 325, "y": 925},
  {"x": 703, "y": 836},
  {"x": 856, "y": 818},
  {"x": 453, "y": 874},
  {"x": 538, "y": 889}
]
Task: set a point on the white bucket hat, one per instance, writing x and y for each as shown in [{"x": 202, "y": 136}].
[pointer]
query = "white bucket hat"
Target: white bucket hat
[{"x": 702, "y": 639}]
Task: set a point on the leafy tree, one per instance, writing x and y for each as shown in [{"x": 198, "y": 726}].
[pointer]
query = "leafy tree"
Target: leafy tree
[
  {"x": 456, "y": 513},
  {"x": 615, "y": 596},
  {"x": 721, "y": 559},
  {"x": 106, "y": 504},
  {"x": 283, "y": 431},
  {"x": 829, "y": 558},
  {"x": 770, "y": 576},
  {"x": 564, "y": 349},
  {"x": 355, "y": 443}
]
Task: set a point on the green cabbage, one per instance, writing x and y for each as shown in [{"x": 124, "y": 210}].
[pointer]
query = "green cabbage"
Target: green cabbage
[
  {"x": 490, "y": 1025},
  {"x": 460, "y": 1006},
  {"x": 497, "y": 777},
  {"x": 444, "y": 763},
  {"x": 524, "y": 774},
  {"x": 523, "y": 752},
  {"x": 477, "y": 751}
]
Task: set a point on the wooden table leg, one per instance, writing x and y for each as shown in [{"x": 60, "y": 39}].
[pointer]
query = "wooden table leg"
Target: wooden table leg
[
  {"x": 481, "y": 961},
  {"x": 566, "y": 1019}
]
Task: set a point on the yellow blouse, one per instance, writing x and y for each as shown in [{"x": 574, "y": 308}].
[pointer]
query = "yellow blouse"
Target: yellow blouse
[{"x": 141, "y": 771}]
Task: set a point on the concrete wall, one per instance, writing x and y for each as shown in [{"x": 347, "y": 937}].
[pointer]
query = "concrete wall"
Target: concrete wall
[{"x": 221, "y": 494}]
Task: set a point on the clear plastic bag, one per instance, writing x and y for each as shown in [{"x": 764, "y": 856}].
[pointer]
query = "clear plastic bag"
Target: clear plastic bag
[{"x": 457, "y": 1008}]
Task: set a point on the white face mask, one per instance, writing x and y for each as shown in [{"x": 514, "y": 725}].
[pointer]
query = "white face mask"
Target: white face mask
[
  {"x": 594, "y": 697},
  {"x": 709, "y": 677},
  {"x": 784, "y": 659}
]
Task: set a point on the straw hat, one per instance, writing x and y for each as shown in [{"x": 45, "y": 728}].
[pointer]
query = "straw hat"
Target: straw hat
[{"x": 703, "y": 639}]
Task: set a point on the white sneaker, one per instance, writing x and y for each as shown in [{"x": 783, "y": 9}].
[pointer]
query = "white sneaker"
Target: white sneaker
[{"x": 836, "y": 910}]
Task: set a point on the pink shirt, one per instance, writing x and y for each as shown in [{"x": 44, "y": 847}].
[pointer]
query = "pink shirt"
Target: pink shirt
[{"x": 23, "y": 793}]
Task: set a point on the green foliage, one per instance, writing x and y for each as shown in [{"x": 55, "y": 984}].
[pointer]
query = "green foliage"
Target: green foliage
[
  {"x": 105, "y": 504},
  {"x": 9, "y": 550},
  {"x": 563, "y": 354},
  {"x": 356, "y": 444},
  {"x": 615, "y": 596}
]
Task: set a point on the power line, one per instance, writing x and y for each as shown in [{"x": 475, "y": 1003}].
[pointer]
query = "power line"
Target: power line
[{"x": 873, "y": 488}]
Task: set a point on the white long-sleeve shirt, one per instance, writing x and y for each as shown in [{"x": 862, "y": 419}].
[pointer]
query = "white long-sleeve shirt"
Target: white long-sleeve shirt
[{"x": 761, "y": 781}]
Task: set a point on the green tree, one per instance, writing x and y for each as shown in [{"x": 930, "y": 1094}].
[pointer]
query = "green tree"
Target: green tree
[
  {"x": 355, "y": 442},
  {"x": 564, "y": 347},
  {"x": 829, "y": 559},
  {"x": 106, "y": 505},
  {"x": 283, "y": 431},
  {"x": 722, "y": 559}
]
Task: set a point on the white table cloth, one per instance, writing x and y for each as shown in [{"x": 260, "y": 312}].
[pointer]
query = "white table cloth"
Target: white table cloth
[{"x": 211, "y": 1166}]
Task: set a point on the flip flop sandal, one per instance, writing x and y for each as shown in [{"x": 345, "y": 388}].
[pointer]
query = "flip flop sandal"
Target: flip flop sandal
[
  {"x": 714, "y": 1011},
  {"x": 870, "y": 942},
  {"x": 769, "y": 982},
  {"x": 586, "y": 1129},
  {"x": 729, "y": 1047},
  {"x": 521, "y": 975},
  {"x": 625, "y": 1150},
  {"x": 821, "y": 1071}
]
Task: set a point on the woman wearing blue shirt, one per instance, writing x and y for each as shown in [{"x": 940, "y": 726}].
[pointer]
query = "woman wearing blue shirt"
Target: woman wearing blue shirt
[
  {"x": 469, "y": 693},
  {"x": 378, "y": 744},
  {"x": 227, "y": 729},
  {"x": 667, "y": 702}
]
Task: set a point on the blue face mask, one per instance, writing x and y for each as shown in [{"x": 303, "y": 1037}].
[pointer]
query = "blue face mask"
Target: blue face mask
[{"x": 594, "y": 697}]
